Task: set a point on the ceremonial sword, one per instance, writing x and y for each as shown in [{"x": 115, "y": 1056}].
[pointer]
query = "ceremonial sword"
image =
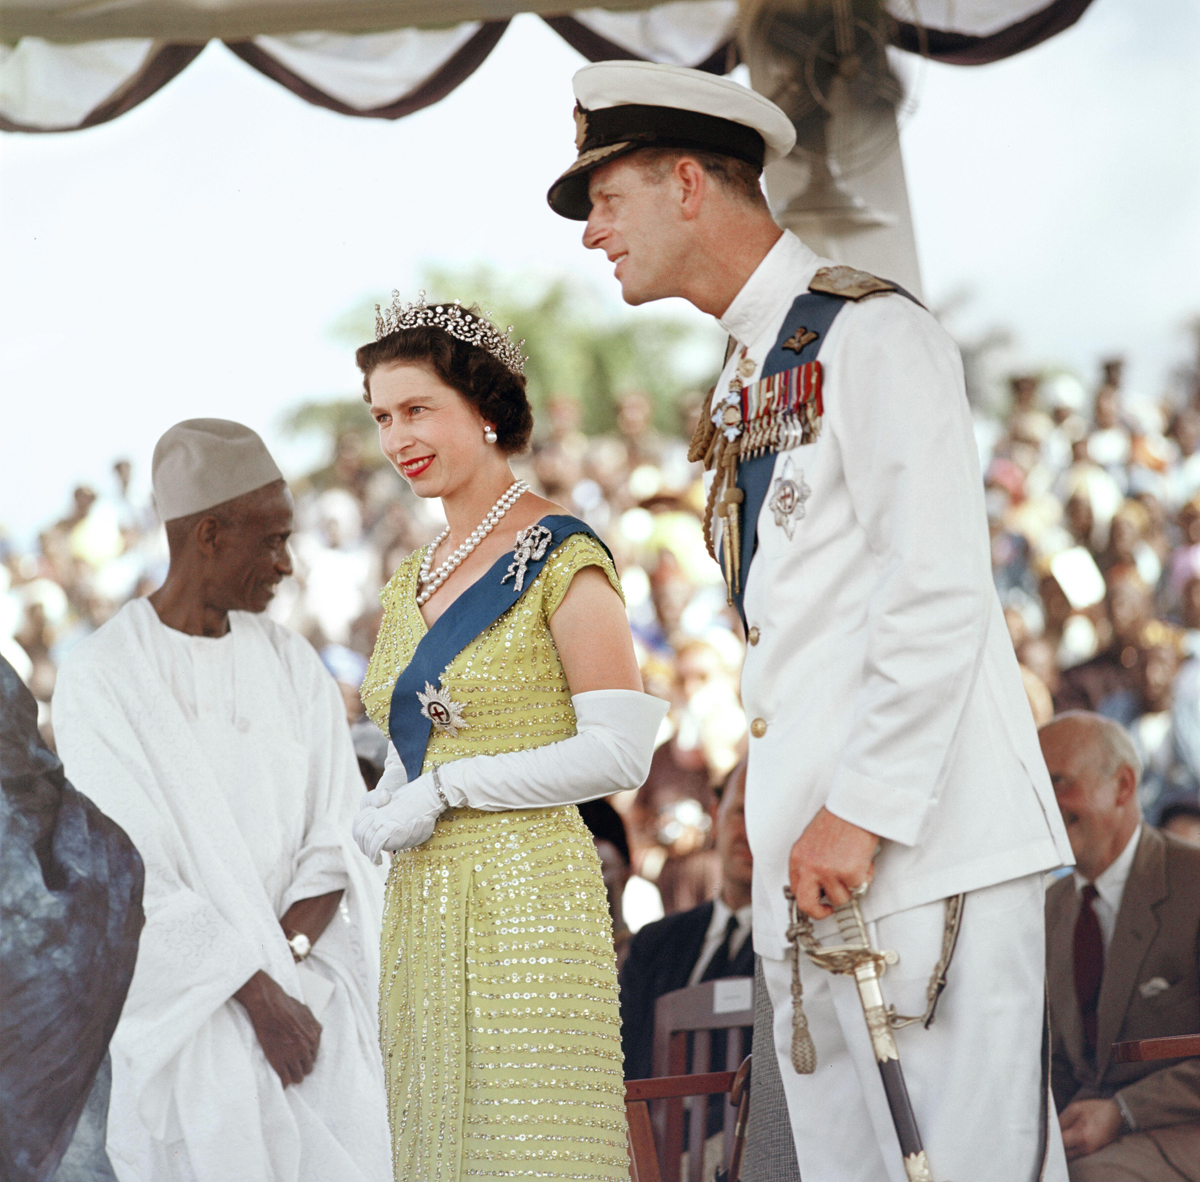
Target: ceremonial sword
[{"x": 856, "y": 958}]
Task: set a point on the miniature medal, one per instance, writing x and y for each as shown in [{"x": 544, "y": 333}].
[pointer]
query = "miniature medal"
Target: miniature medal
[
  {"x": 787, "y": 498},
  {"x": 531, "y": 546},
  {"x": 441, "y": 710}
]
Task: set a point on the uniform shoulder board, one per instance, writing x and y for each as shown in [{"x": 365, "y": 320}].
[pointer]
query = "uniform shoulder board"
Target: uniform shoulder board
[{"x": 849, "y": 283}]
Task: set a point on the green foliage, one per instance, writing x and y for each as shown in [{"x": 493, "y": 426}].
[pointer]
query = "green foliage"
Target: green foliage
[
  {"x": 335, "y": 418},
  {"x": 577, "y": 346}
]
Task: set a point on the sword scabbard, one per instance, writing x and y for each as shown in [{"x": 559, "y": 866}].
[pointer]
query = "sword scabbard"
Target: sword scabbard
[{"x": 855, "y": 957}]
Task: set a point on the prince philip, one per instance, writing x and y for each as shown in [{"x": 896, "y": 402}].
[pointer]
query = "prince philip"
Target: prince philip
[{"x": 891, "y": 742}]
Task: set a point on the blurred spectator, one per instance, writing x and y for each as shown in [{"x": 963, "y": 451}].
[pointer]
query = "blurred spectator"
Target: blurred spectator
[
  {"x": 1037, "y": 655},
  {"x": 1164, "y": 766},
  {"x": 1122, "y": 933},
  {"x": 1180, "y": 817},
  {"x": 612, "y": 848},
  {"x": 1127, "y": 546},
  {"x": 635, "y": 421},
  {"x": 670, "y": 817},
  {"x": 1109, "y": 682},
  {"x": 1109, "y": 444},
  {"x": 707, "y": 942},
  {"x": 1184, "y": 482},
  {"x": 337, "y": 571}
]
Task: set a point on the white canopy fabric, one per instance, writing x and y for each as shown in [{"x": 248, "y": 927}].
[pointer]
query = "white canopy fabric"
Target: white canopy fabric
[
  {"x": 976, "y": 18},
  {"x": 51, "y": 80},
  {"x": 372, "y": 70}
]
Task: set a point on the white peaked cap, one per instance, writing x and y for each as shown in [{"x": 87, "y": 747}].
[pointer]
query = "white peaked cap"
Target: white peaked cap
[
  {"x": 624, "y": 106},
  {"x": 616, "y": 84},
  {"x": 200, "y": 463}
]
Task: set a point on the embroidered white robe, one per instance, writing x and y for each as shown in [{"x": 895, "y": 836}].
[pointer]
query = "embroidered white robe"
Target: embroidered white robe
[{"x": 229, "y": 763}]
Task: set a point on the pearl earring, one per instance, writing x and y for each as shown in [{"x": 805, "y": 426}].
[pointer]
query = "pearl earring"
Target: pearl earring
[{"x": 489, "y": 433}]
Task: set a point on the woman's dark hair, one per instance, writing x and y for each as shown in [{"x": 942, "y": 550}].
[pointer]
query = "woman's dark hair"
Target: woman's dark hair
[{"x": 485, "y": 382}]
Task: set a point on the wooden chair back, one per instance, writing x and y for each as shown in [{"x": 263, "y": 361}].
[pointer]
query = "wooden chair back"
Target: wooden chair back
[
  {"x": 691, "y": 1016},
  {"x": 643, "y": 1155},
  {"x": 1143, "y": 1050}
]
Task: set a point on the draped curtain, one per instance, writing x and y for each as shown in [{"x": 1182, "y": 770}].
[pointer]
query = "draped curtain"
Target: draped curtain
[{"x": 50, "y": 84}]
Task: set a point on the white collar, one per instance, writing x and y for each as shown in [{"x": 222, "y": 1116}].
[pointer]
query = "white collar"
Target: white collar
[
  {"x": 722, "y": 912},
  {"x": 1110, "y": 884},
  {"x": 773, "y": 282}
]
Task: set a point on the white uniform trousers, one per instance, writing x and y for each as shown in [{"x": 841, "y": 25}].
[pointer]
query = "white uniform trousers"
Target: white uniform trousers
[{"x": 974, "y": 1077}]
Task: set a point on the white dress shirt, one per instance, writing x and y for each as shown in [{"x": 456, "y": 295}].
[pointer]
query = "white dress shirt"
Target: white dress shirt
[
  {"x": 1110, "y": 888},
  {"x": 715, "y": 936},
  {"x": 880, "y": 680}
]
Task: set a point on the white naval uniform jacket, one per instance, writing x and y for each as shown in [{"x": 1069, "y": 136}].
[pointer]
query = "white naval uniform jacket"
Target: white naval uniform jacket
[{"x": 880, "y": 680}]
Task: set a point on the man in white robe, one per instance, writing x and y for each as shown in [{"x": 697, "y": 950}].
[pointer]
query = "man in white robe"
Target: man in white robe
[{"x": 247, "y": 1049}]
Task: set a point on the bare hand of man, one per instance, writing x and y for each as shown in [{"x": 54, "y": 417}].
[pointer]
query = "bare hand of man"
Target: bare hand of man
[
  {"x": 287, "y": 1031},
  {"x": 1088, "y": 1125},
  {"x": 833, "y": 856}
]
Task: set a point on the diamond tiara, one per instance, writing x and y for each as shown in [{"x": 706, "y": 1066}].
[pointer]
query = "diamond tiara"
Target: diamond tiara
[{"x": 464, "y": 324}]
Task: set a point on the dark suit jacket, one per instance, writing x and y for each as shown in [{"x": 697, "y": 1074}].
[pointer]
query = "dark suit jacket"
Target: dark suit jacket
[
  {"x": 661, "y": 958},
  {"x": 1157, "y": 935}
]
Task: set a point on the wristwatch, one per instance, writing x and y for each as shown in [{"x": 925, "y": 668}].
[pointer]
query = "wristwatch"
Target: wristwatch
[{"x": 300, "y": 945}]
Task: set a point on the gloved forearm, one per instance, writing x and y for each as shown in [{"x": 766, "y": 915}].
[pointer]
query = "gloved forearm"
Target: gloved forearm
[{"x": 610, "y": 752}]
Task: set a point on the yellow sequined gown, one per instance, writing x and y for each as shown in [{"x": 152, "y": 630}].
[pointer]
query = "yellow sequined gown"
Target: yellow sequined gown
[{"x": 498, "y": 1008}]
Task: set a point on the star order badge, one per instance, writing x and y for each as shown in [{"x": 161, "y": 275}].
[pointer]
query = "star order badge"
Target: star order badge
[
  {"x": 788, "y": 496},
  {"x": 445, "y": 713}
]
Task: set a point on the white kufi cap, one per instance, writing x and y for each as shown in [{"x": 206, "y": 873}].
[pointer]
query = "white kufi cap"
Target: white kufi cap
[{"x": 200, "y": 463}]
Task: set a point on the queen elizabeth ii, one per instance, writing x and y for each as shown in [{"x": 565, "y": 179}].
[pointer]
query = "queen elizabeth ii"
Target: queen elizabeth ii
[{"x": 505, "y": 676}]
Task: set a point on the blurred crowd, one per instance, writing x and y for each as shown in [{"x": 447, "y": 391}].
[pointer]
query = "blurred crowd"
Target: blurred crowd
[{"x": 1093, "y": 505}]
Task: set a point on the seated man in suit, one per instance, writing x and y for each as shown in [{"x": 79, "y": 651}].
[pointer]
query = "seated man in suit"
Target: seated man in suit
[
  {"x": 1122, "y": 934},
  {"x": 708, "y": 942}
]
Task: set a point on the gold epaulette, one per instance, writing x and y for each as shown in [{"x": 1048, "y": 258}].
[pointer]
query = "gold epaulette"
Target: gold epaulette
[{"x": 849, "y": 283}]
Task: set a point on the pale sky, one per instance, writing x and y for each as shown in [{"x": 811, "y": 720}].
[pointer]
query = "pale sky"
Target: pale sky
[{"x": 190, "y": 257}]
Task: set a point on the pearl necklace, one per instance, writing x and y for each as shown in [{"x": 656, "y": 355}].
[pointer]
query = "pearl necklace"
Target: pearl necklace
[{"x": 429, "y": 582}]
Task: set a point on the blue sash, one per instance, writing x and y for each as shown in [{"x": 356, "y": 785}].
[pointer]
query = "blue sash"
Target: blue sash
[
  {"x": 472, "y": 613},
  {"x": 815, "y": 312}
]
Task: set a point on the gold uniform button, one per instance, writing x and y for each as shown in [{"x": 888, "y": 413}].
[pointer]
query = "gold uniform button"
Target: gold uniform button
[
  {"x": 758, "y": 728},
  {"x": 754, "y": 635}
]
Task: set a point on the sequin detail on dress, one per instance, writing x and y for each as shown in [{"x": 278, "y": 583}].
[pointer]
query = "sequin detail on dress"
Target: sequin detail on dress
[{"x": 499, "y": 1018}]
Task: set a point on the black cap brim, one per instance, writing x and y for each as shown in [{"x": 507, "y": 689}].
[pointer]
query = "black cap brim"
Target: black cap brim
[
  {"x": 568, "y": 196},
  {"x": 612, "y": 132}
]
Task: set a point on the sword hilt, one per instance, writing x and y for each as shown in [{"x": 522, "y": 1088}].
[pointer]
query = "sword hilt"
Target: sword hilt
[{"x": 855, "y": 956}]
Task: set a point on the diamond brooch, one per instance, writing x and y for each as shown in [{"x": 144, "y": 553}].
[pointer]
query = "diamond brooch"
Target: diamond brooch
[{"x": 531, "y": 547}]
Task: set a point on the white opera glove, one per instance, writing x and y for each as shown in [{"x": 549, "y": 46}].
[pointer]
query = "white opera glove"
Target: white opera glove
[
  {"x": 394, "y": 777},
  {"x": 398, "y": 815},
  {"x": 610, "y": 752}
]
